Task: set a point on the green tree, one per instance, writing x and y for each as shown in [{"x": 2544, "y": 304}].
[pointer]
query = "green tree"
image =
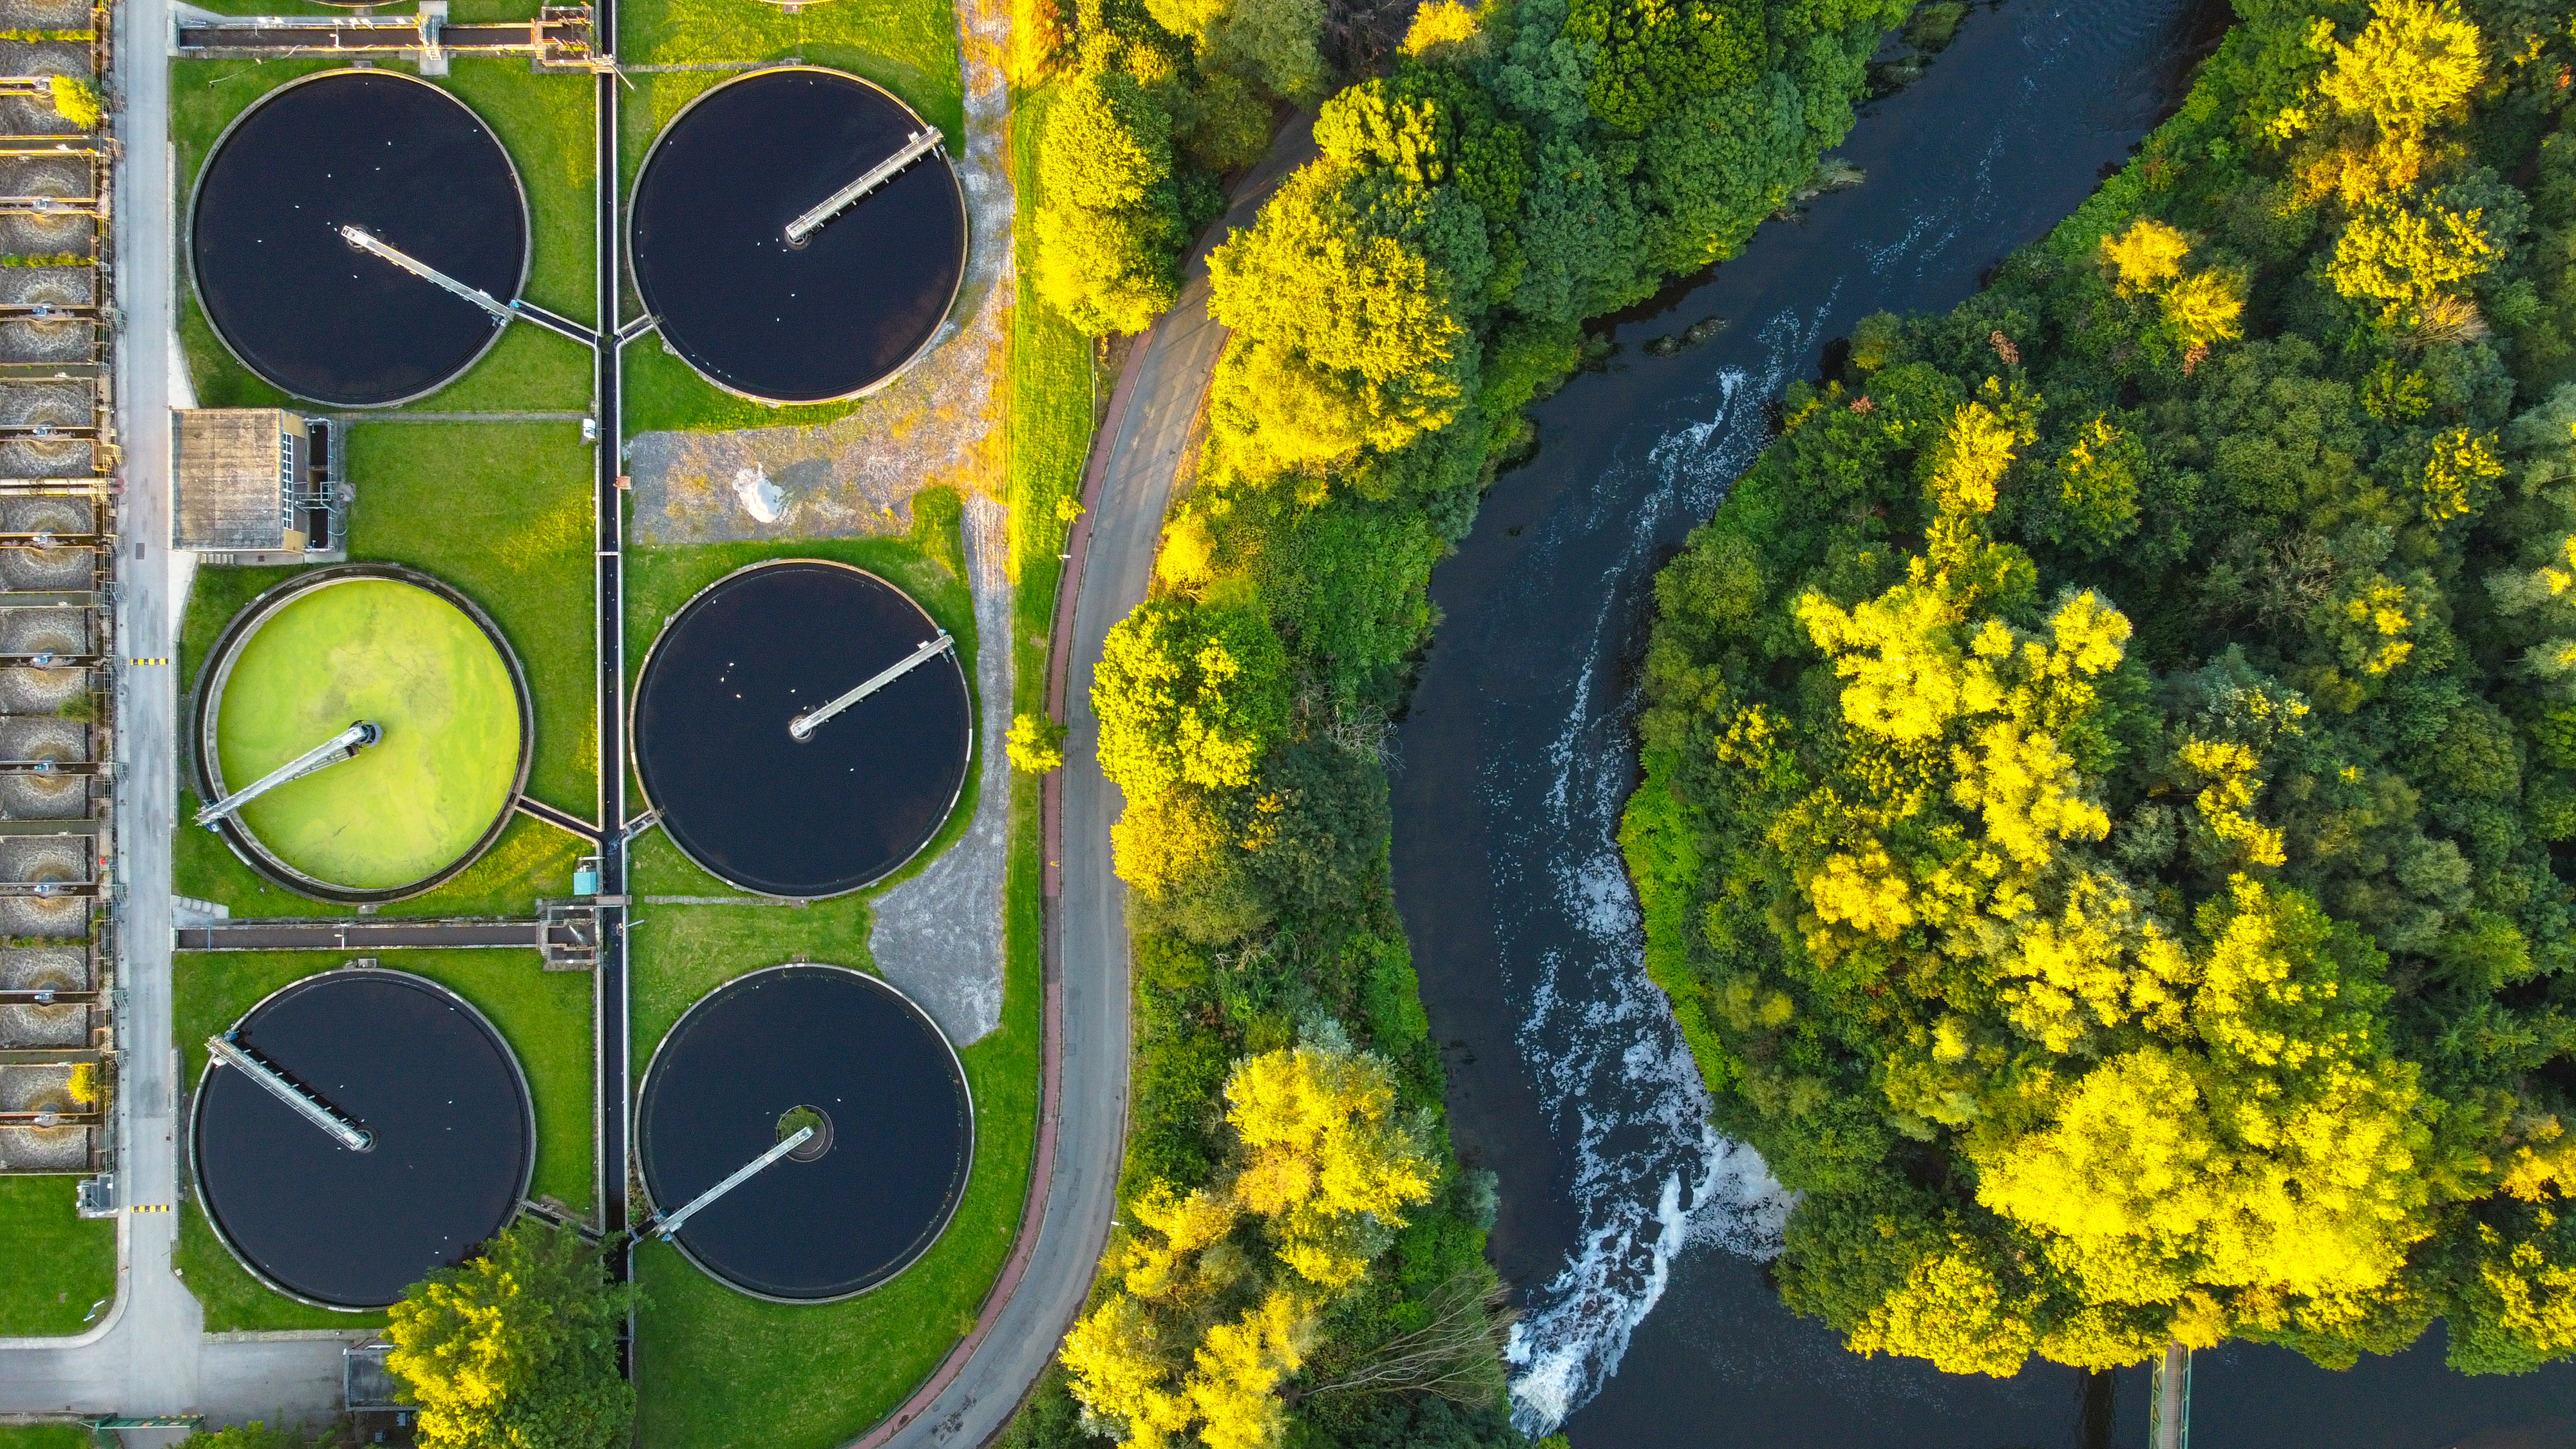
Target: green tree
[
  {"x": 1187, "y": 693},
  {"x": 1349, "y": 301},
  {"x": 1109, "y": 229},
  {"x": 518, "y": 1347},
  {"x": 1653, "y": 54}
]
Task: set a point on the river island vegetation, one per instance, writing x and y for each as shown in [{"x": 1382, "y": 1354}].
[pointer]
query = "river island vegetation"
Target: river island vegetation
[
  {"x": 1300, "y": 1258},
  {"x": 2110, "y": 792}
]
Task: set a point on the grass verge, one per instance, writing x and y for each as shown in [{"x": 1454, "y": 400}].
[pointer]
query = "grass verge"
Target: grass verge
[
  {"x": 59, "y": 1262},
  {"x": 235, "y": 1301},
  {"x": 45, "y": 1436}
]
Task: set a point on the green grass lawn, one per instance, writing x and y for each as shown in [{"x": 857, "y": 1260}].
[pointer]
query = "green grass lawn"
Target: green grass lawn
[
  {"x": 59, "y": 1263},
  {"x": 503, "y": 512},
  {"x": 45, "y": 1436},
  {"x": 545, "y": 1016},
  {"x": 543, "y": 122},
  {"x": 416, "y": 667},
  {"x": 907, "y": 46}
]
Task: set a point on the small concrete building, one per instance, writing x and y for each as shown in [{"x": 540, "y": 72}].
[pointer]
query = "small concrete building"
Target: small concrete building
[{"x": 258, "y": 486}]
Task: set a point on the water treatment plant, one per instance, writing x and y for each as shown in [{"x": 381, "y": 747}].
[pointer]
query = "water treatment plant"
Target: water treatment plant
[
  {"x": 771, "y": 266},
  {"x": 805, "y": 1048},
  {"x": 489, "y": 842},
  {"x": 802, "y": 727},
  {"x": 394, "y": 158},
  {"x": 449, "y": 736},
  {"x": 440, "y": 1145}
]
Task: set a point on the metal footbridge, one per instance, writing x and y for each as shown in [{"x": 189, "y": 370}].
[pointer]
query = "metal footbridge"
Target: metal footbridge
[
  {"x": 919, "y": 144},
  {"x": 343, "y": 746},
  {"x": 307, "y": 1106},
  {"x": 804, "y": 725},
  {"x": 668, "y": 1226},
  {"x": 500, "y": 311}
]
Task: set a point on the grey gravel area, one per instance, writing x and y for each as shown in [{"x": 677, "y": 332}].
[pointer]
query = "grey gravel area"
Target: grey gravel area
[{"x": 939, "y": 934}]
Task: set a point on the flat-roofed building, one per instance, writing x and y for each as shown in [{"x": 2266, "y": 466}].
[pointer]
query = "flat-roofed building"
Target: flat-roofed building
[{"x": 257, "y": 486}]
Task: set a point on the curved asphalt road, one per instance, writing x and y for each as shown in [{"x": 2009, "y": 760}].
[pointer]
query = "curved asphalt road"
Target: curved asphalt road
[{"x": 1130, "y": 480}]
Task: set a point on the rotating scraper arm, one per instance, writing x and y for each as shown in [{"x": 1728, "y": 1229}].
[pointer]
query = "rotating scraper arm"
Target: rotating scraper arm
[
  {"x": 804, "y": 725},
  {"x": 921, "y": 143},
  {"x": 342, "y": 746},
  {"x": 667, "y": 1227}
]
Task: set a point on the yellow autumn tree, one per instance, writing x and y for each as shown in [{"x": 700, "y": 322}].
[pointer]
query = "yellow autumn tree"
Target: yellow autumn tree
[
  {"x": 2408, "y": 258},
  {"x": 2412, "y": 68},
  {"x": 518, "y": 1347},
  {"x": 1200, "y": 1332}
]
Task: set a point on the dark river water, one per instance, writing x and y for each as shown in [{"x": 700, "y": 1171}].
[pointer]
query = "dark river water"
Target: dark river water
[{"x": 1633, "y": 1234}]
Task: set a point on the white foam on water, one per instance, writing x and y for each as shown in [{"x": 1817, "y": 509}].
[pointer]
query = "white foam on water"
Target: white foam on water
[{"x": 1614, "y": 1077}]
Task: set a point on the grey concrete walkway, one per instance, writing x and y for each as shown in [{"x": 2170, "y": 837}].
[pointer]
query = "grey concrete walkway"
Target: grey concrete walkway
[{"x": 151, "y": 1356}]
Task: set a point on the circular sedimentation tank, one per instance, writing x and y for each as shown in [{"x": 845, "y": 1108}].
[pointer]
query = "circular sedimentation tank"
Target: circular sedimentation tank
[
  {"x": 835, "y": 317},
  {"x": 807, "y": 1045},
  {"x": 396, "y": 157},
  {"x": 391, "y": 647},
  {"x": 743, "y": 796},
  {"x": 451, "y": 1132}
]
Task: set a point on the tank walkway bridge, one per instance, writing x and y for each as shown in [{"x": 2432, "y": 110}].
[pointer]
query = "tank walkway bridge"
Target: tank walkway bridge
[
  {"x": 558, "y": 39},
  {"x": 566, "y": 931}
]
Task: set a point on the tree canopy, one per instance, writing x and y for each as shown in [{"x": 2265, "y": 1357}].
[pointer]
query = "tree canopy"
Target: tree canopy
[
  {"x": 517, "y": 1349},
  {"x": 2108, "y": 791}
]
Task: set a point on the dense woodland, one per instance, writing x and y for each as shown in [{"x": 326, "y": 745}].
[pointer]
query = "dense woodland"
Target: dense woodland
[
  {"x": 2110, "y": 789},
  {"x": 1301, "y": 1259}
]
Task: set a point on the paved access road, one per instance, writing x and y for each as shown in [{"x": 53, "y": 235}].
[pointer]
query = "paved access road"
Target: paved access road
[{"x": 1132, "y": 472}]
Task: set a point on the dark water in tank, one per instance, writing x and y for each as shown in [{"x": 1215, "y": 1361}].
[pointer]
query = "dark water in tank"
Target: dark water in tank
[
  {"x": 1632, "y": 1232},
  {"x": 373, "y": 149},
  {"x": 759, "y": 807},
  {"x": 709, "y": 243},
  {"x": 901, "y": 1131},
  {"x": 405, "y": 1061}
]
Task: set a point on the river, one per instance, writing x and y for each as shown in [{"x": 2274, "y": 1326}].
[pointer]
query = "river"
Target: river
[{"x": 1633, "y": 1234}]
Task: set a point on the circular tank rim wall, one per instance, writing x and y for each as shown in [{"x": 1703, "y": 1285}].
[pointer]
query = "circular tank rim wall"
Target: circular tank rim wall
[
  {"x": 947, "y": 167},
  {"x": 957, "y": 1064},
  {"x": 947, "y": 813},
  {"x": 188, "y": 227},
  {"x": 208, "y": 703},
  {"x": 473, "y": 1013}
]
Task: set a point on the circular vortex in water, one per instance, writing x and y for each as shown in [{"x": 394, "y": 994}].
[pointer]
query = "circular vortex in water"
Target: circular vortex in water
[
  {"x": 410, "y": 1063},
  {"x": 749, "y": 801},
  {"x": 400, "y": 159},
  {"x": 847, "y": 1048},
  {"x": 396, "y": 649},
  {"x": 830, "y": 319}
]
